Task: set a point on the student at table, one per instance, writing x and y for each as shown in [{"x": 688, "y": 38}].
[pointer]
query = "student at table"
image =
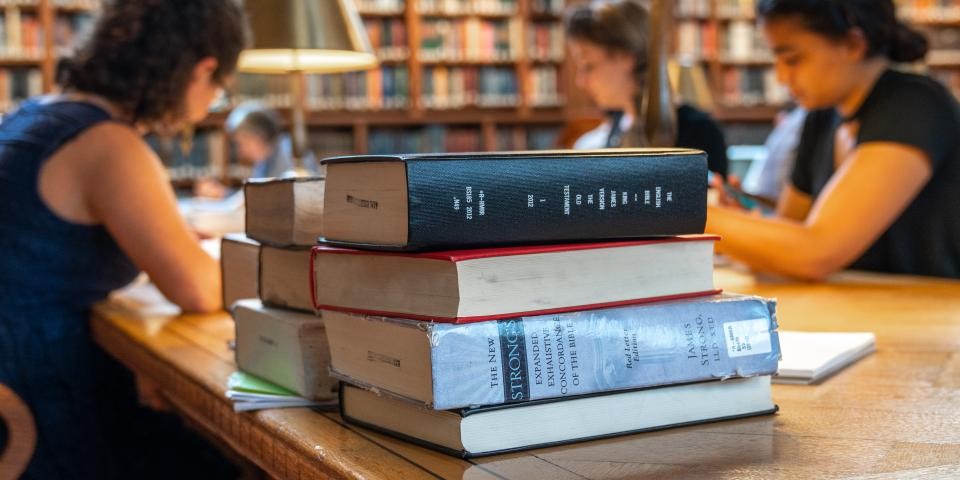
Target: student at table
[
  {"x": 261, "y": 143},
  {"x": 84, "y": 206},
  {"x": 609, "y": 47},
  {"x": 875, "y": 184}
]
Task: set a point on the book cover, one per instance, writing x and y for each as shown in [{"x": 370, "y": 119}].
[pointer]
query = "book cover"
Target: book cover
[
  {"x": 461, "y": 286},
  {"x": 468, "y": 200},
  {"x": 284, "y": 347},
  {"x": 557, "y": 356}
]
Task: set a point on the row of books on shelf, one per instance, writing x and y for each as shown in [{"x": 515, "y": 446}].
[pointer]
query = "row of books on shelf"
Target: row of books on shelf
[
  {"x": 381, "y": 7},
  {"x": 467, "y": 7},
  {"x": 910, "y": 10},
  {"x": 457, "y": 87},
  {"x": 388, "y": 36},
  {"x": 929, "y": 10},
  {"x": 70, "y": 4},
  {"x": 21, "y": 35},
  {"x": 432, "y": 138},
  {"x": 546, "y": 343},
  {"x": 753, "y": 86},
  {"x": 206, "y": 154},
  {"x": 546, "y": 41},
  {"x": 69, "y": 30},
  {"x": 725, "y": 9},
  {"x": 442, "y": 138},
  {"x": 469, "y": 39},
  {"x": 383, "y": 88},
  {"x": 17, "y": 85},
  {"x": 737, "y": 41},
  {"x": 543, "y": 87}
]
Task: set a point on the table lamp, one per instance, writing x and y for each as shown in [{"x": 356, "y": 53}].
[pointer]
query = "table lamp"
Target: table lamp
[{"x": 295, "y": 37}]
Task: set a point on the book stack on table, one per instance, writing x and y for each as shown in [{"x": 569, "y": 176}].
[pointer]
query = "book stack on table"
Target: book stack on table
[
  {"x": 266, "y": 284},
  {"x": 481, "y": 303}
]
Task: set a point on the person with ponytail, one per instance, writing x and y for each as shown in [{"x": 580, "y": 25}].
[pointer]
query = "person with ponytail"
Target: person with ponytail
[
  {"x": 85, "y": 206},
  {"x": 876, "y": 184},
  {"x": 617, "y": 51}
]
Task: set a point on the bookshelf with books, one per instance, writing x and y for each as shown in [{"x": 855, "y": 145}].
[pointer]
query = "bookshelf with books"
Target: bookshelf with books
[
  {"x": 453, "y": 74},
  {"x": 456, "y": 70},
  {"x": 723, "y": 37},
  {"x": 33, "y": 36},
  {"x": 940, "y": 21}
]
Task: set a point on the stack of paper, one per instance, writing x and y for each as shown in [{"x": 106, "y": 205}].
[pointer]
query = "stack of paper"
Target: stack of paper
[
  {"x": 809, "y": 357},
  {"x": 252, "y": 393}
]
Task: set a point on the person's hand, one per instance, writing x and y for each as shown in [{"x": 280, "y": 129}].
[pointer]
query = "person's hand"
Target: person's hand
[
  {"x": 724, "y": 191},
  {"x": 209, "y": 188}
]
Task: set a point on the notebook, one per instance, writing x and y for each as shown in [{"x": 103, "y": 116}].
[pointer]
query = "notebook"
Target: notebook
[{"x": 810, "y": 357}]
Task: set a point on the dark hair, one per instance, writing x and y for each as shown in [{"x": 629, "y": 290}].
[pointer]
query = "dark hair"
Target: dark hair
[
  {"x": 624, "y": 26},
  {"x": 140, "y": 54},
  {"x": 886, "y": 36},
  {"x": 263, "y": 122}
]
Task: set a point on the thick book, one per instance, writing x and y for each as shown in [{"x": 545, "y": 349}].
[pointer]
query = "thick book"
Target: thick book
[
  {"x": 811, "y": 357},
  {"x": 285, "y": 277},
  {"x": 448, "y": 366},
  {"x": 284, "y": 347},
  {"x": 284, "y": 211},
  {"x": 239, "y": 262},
  {"x": 505, "y": 428},
  {"x": 492, "y": 283},
  {"x": 432, "y": 201}
]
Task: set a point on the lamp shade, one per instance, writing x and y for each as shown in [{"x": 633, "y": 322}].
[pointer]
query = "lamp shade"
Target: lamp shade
[{"x": 320, "y": 36}]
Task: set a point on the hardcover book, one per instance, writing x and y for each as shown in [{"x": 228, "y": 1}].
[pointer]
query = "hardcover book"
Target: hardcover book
[
  {"x": 239, "y": 260},
  {"x": 284, "y": 212},
  {"x": 431, "y": 201},
  {"x": 284, "y": 347},
  {"x": 285, "y": 277},
  {"x": 447, "y": 366},
  {"x": 505, "y": 428},
  {"x": 491, "y": 283}
]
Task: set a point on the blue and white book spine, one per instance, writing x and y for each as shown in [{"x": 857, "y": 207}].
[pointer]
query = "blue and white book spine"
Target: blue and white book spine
[{"x": 579, "y": 353}]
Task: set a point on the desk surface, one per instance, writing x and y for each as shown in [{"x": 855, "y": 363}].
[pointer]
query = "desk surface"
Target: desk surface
[{"x": 893, "y": 414}]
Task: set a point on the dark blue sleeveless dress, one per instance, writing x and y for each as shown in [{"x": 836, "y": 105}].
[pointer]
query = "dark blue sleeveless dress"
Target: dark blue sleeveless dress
[{"x": 51, "y": 272}]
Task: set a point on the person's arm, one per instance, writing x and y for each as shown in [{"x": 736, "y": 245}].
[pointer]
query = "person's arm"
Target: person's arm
[
  {"x": 129, "y": 192},
  {"x": 869, "y": 191},
  {"x": 793, "y": 204}
]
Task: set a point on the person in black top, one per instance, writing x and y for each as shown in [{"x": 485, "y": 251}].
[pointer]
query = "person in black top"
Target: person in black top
[
  {"x": 876, "y": 184},
  {"x": 609, "y": 45}
]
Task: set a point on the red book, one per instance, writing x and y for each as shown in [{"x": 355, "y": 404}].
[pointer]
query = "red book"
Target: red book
[{"x": 463, "y": 286}]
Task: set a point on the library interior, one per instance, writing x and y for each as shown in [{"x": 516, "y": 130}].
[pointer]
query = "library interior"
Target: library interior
[{"x": 250, "y": 239}]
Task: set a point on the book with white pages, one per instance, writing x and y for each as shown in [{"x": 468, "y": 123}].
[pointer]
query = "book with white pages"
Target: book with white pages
[{"x": 810, "y": 357}]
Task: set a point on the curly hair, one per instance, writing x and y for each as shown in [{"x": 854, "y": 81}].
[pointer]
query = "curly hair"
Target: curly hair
[{"x": 141, "y": 54}]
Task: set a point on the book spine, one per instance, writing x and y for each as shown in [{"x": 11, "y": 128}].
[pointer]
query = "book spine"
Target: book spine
[
  {"x": 474, "y": 202},
  {"x": 555, "y": 356}
]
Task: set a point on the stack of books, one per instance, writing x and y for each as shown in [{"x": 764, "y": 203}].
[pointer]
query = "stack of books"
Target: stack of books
[
  {"x": 482, "y": 303},
  {"x": 266, "y": 283}
]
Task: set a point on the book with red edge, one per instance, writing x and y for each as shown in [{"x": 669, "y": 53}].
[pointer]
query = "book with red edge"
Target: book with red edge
[{"x": 462, "y": 286}]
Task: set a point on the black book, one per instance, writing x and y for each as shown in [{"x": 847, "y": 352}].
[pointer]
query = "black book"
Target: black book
[
  {"x": 489, "y": 430},
  {"x": 430, "y": 201}
]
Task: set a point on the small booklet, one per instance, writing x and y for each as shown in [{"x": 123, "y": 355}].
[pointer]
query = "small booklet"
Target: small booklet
[
  {"x": 810, "y": 357},
  {"x": 253, "y": 393}
]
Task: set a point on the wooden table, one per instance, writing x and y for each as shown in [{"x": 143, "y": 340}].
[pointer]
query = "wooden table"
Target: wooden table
[{"x": 895, "y": 414}]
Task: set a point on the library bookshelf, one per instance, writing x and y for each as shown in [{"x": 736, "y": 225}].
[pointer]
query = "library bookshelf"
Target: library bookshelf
[{"x": 723, "y": 38}]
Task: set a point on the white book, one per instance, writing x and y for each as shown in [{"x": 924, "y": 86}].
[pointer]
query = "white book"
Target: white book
[{"x": 809, "y": 357}]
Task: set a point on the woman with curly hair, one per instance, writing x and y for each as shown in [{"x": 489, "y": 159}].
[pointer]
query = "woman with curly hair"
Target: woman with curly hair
[{"x": 84, "y": 206}]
